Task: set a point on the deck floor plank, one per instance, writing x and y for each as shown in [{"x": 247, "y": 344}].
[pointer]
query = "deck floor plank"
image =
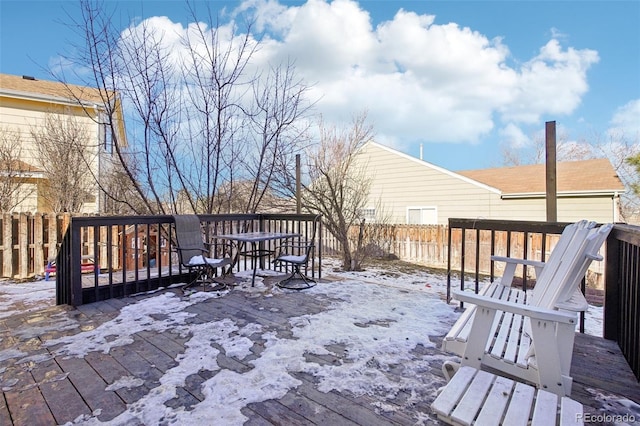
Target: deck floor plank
[
  {"x": 111, "y": 371},
  {"x": 92, "y": 388},
  {"x": 25, "y": 402},
  {"x": 63, "y": 400},
  {"x": 60, "y": 390},
  {"x": 275, "y": 412},
  {"x": 5, "y": 417}
]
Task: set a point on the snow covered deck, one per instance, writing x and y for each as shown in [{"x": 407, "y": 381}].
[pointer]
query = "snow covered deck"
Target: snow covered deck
[{"x": 358, "y": 348}]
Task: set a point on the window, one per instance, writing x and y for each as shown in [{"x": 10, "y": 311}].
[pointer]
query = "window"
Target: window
[
  {"x": 422, "y": 215},
  {"x": 105, "y": 134},
  {"x": 368, "y": 214}
]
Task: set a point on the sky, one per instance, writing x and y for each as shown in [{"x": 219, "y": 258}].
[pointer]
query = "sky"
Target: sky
[
  {"x": 461, "y": 79},
  {"x": 409, "y": 305}
]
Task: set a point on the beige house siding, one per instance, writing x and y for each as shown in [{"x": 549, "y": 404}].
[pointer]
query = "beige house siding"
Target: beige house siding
[
  {"x": 400, "y": 181},
  {"x": 25, "y": 106},
  {"x": 25, "y": 118},
  {"x": 570, "y": 209}
]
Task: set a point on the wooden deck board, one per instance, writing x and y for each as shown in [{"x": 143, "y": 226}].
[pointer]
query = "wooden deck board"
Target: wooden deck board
[
  {"x": 63, "y": 400},
  {"x": 5, "y": 418},
  {"x": 137, "y": 366},
  {"x": 25, "y": 401},
  {"x": 274, "y": 412},
  {"x": 91, "y": 387},
  {"x": 110, "y": 370},
  {"x": 60, "y": 390}
]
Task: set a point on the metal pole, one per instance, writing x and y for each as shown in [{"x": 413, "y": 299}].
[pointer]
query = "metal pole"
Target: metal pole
[{"x": 298, "y": 186}]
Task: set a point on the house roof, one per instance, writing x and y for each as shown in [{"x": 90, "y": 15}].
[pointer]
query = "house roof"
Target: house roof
[
  {"x": 587, "y": 177},
  {"x": 21, "y": 85},
  {"x": 19, "y": 168},
  {"x": 572, "y": 177}
]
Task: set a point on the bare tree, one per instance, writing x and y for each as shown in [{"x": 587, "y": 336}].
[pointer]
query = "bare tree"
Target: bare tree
[
  {"x": 119, "y": 197},
  {"x": 13, "y": 188},
  {"x": 339, "y": 186},
  {"x": 375, "y": 238},
  {"x": 535, "y": 153},
  {"x": 617, "y": 148},
  {"x": 101, "y": 56},
  {"x": 204, "y": 119},
  {"x": 63, "y": 150},
  {"x": 634, "y": 162},
  {"x": 278, "y": 132}
]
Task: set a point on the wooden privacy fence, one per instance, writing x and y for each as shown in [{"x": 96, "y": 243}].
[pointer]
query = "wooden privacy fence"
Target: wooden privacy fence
[
  {"x": 425, "y": 244},
  {"x": 428, "y": 245},
  {"x": 29, "y": 241}
]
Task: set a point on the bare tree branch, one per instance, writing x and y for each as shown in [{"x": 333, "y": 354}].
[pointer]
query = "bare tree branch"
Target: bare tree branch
[
  {"x": 207, "y": 132},
  {"x": 339, "y": 187},
  {"x": 14, "y": 188},
  {"x": 62, "y": 146}
]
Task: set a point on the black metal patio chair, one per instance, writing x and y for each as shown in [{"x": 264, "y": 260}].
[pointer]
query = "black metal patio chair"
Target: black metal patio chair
[
  {"x": 194, "y": 253},
  {"x": 297, "y": 255}
]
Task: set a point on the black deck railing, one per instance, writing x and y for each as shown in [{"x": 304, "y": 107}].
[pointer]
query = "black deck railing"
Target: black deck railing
[
  {"x": 622, "y": 292},
  {"x": 472, "y": 242},
  {"x": 116, "y": 256}
]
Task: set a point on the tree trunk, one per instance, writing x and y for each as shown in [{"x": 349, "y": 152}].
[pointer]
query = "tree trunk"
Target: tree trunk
[{"x": 347, "y": 258}]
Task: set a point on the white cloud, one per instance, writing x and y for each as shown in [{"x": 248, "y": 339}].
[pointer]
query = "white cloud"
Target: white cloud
[
  {"x": 514, "y": 137},
  {"x": 418, "y": 79},
  {"x": 551, "y": 83},
  {"x": 626, "y": 120}
]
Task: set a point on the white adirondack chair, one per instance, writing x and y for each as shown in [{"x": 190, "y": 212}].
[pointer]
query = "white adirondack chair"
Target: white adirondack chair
[
  {"x": 485, "y": 399},
  {"x": 504, "y": 327},
  {"x": 567, "y": 240},
  {"x": 456, "y": 340}
]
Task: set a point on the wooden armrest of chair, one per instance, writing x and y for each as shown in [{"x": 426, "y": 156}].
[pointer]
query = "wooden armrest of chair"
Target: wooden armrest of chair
[
  {"x": 533, "y": 312},
  {"x": 577, "y": 303},
  {"x": 510, "y": 267},
  {"x": 528, "y": 262}
]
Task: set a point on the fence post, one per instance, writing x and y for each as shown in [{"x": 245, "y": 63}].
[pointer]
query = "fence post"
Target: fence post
[
  {"x": 23, "y": 245},
  {"x": 38, "y": 244},
  {"x": 7, "y": 243},
  {"x": 612, "y": 289},
  {"x": 76, "y": 260},
  {"x": 449, "y": 263}
]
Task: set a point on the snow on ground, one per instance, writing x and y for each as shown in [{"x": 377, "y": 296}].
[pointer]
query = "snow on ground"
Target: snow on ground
[
  {"x": 380, "y": 316},
  {"x": 26, "y": 297}
]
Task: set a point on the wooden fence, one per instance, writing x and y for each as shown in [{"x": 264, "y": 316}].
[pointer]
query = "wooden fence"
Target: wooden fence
[
  {"x": 29, "y": 241},
  {"x": 428, "y": 245}
]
